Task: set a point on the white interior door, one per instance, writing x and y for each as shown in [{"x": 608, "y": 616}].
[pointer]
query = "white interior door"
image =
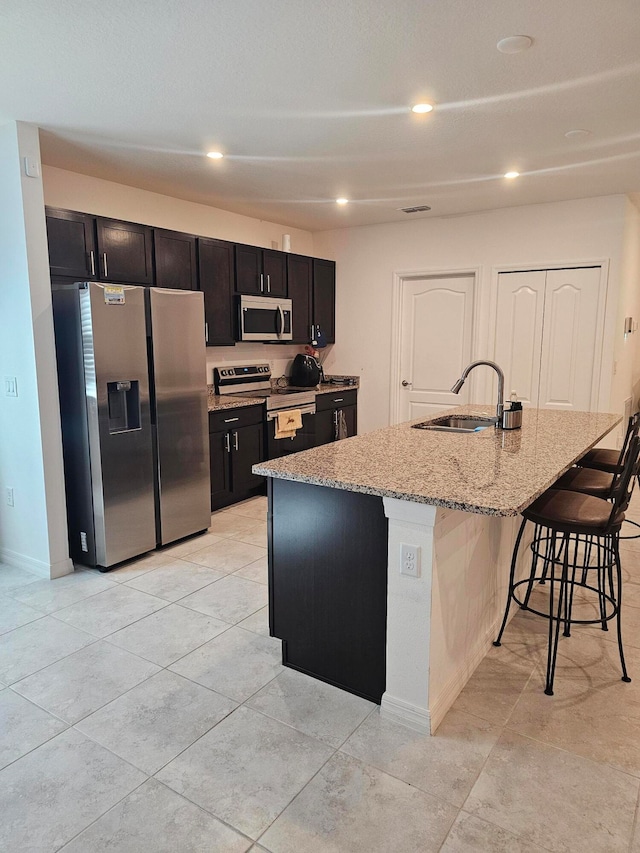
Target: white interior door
[
  {"x": 518, "y": 350},
  {"x": 569, "y": 342},
  {"x": 547, "y": 336},
  {"x": 435, "y": 343}
]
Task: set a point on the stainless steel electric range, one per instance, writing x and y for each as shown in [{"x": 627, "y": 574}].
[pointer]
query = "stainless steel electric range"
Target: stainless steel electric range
[{"x": 254, "y": 381}]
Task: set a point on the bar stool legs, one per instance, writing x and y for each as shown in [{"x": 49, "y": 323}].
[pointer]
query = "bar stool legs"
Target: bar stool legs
[{"x": 566, "y": 564}]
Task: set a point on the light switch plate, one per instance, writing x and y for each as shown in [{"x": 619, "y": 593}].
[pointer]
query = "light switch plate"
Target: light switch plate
[{"x": 10, "y": 386}]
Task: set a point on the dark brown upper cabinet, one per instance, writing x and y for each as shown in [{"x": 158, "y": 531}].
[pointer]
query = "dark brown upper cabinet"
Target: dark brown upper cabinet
[
  {"x": 175, "y": 259},
  {"x": 124, "y": 251},
  {"x": 324, "y": 297},
  {"x": 72, "y": 244},
  {"x": 300, "y": 277},
  {"x": 260, "y": 271},
  {"x": 216, "y": 264}
]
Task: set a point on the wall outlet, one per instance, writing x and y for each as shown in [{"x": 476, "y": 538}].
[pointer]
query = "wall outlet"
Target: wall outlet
[
  {"x": 10, "y": 496},
  {"x": 410, "y": 560}
]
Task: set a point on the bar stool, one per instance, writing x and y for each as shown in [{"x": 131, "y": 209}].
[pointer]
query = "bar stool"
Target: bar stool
[
  {"x": 610, "y": 461},
  {"x": 569, "y": 522},
  {"x": 598, "y": 466}
]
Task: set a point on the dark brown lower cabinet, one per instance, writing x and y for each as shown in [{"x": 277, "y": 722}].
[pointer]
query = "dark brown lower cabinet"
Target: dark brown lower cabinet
[
  {"x": 327, "y": 419},
  {"x": 236, "y": 443},
  {"x": 328, "y": 584}
]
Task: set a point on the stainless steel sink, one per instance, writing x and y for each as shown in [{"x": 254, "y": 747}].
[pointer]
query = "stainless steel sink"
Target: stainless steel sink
[{"x": 458, "y": 423}]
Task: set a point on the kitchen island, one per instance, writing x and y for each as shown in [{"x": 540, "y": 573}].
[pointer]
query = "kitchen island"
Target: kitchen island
[{"x": 349, "y": 608}]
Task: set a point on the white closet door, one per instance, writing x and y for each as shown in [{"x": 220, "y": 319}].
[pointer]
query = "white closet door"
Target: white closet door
[
  {"x": 518, "y": 350},
  {"x": 570, "y": 336},
  {"x": 435, "y": 343}
]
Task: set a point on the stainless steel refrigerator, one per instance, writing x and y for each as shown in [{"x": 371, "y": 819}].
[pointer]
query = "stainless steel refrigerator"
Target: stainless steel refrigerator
[{"x": 133, "y": 399}]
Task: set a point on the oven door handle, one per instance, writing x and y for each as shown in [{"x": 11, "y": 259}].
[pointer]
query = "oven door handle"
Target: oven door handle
[{"x": 306, "y": 409}]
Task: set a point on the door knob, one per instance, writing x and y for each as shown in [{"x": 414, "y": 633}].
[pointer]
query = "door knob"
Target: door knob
[{"x": 405, "y": 384}]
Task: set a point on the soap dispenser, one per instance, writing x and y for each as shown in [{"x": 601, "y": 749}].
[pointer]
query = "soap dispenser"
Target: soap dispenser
[{"x": 512, "y": 417}]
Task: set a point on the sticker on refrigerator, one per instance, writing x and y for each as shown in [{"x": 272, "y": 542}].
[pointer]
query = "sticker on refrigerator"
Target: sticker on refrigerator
[{"x": 114, "y": 295}]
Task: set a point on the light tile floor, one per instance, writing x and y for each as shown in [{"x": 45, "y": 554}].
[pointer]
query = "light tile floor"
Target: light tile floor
[{"x": 147, "y": 709}]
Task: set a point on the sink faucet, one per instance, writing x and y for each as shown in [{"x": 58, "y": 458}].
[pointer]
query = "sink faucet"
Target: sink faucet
[{"x": 500, "y": 406}]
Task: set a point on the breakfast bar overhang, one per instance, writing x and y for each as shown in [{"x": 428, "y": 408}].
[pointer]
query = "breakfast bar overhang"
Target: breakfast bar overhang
[{"x": 339, "y": 516}]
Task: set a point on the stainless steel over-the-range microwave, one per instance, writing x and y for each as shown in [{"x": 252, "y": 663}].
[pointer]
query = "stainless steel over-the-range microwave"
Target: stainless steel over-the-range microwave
[{"x": 264, "y": 318}]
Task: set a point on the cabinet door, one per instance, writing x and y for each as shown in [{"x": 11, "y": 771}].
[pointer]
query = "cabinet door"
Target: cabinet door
[
  {"x": 324, "y": 297},
  {"x": 216, "y": 263},
  {"x": 351, "y": 417},
  {"x": 300, "y": 272},
  {"x": 274, "y": 269},
  {"x": 175, "y": 259},
  {"x": 325, "y": 428},
  {"x": 247, "y": 445},
  {"x": 124, "y": 252},
  {"x": 72, "y": 247},
  {"x": 220, "y": 468},
  {"x": 249, "y": 269}
]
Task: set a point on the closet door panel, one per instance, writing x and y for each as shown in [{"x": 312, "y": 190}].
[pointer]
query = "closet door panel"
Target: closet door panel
[
  {"x": 520, "y": 313},
  {"x": 570, "y": 339}
]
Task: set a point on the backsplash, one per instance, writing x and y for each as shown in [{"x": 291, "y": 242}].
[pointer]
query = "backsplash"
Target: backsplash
[{"x": 278, "y": 356}]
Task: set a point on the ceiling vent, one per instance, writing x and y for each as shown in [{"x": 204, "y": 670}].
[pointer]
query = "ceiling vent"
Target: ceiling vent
[{"x": 418, "y": 209}]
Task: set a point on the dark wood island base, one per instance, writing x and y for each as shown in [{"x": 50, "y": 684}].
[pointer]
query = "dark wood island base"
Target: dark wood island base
[{"x": 328, "y": 584}]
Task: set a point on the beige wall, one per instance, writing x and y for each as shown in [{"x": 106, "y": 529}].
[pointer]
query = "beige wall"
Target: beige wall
[
  {"x": 629, "y": 373},
  {"x": 369, "y": 257},
  {"x": 33, "y": 532},
  {"x": 106, "y": 198}
]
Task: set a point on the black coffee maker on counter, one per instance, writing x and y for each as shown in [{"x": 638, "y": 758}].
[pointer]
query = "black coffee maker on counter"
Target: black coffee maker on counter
[{"x": 305, "y": 372}]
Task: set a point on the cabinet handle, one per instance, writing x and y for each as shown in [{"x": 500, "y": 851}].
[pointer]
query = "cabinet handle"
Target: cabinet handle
[
  {"x": 206, "y": 333},
  {"x": 235, "y": 440},
  {"x": 227, "y": 443},
  {"x": 338, "y": 400},
  {"x": 261, "y": 283},
  {"x": 231, "y": 420},
  {"x": 268, "y": 284},
  {"x": 92, "y": 261},
  {"x": 104, "y": 264}
]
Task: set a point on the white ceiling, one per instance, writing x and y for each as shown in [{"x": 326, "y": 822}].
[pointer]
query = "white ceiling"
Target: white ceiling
[{"x": 309, "y": 99}]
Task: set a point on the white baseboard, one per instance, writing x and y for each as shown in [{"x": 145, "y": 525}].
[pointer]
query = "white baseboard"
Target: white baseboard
[
  {"x": 427, "y": 721},
  {"x": 38, "y": 567},
  {"x": 406, "y": 714}
]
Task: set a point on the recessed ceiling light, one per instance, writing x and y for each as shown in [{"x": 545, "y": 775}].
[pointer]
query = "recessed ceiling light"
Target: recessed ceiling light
[
  {"x": 577, "y": 134},
  {"x": 342, "y": 201},
  {"x": 215, "y": 155},
  {"x": 514, "y": 44},
  {"x": 512, "y": 175},
  {"x": 421, "y": 108}
]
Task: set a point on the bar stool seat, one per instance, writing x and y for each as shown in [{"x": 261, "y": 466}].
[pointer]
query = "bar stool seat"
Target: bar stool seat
[
  {"x": 601, "y": 459},
  {"x": 588, "y": 480},
  {"x": 572, "y": 512}
]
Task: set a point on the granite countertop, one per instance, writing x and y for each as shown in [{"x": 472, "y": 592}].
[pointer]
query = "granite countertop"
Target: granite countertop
[
  {"x": 218, "y": 402},
  {"x": 492, "y": 472}
]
